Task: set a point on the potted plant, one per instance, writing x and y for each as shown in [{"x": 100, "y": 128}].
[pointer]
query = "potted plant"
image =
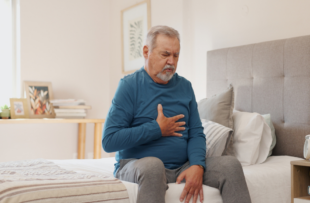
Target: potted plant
[{"x": 5, "y": 114}]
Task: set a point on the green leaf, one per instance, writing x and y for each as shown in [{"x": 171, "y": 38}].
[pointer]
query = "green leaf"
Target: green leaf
[{"x": 4, "y": 107}]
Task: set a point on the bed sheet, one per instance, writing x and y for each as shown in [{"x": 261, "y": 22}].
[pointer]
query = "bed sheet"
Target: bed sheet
[{"x": 268, "y": 182}]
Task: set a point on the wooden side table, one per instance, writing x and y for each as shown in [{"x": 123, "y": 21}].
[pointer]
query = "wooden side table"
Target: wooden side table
[
  {"x": 81, "y": 134},
  {"x": 300, "y": 180}
]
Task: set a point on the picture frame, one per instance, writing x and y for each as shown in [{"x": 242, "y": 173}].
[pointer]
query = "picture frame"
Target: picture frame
[
  {"x": 135, "y": 21},
  {"x": 19, "y": 108},
  {"x": 38, "y": 95}
]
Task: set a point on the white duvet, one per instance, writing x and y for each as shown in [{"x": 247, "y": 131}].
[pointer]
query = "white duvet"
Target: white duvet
[{"x": 269, "y": 182}]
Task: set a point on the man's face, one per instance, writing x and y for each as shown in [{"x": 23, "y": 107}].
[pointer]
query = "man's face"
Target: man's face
[{"x": 161, "y": 62}]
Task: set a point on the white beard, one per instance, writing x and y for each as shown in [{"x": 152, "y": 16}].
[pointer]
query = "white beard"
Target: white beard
[{"x": 166, "y": 76}]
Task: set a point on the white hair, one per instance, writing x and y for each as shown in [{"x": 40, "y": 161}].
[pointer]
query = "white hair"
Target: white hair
[{"x": 160, "y": 29}]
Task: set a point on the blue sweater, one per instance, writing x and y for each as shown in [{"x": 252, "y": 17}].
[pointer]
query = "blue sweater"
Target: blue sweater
[{"x": 131, "y": 129}]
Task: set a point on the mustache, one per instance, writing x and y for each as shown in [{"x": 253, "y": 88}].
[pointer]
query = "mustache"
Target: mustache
[{"x": 168, "y": 67}]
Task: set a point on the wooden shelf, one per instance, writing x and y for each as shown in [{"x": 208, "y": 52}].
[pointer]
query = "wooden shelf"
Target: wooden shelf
[
  {"x": 301, "y": 163},
  {"x": 50, "y": 120},
  {"x": 300, "y": 180},
  {"x": 81, "y": 131},
  {"x": 305, "y": 197}
]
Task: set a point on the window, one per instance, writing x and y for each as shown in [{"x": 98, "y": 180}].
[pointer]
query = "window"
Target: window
[{"x": 8, "y": 70}]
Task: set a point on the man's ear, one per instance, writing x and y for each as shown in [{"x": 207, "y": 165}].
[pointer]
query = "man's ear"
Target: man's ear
[{"x": 146, "y": 51}]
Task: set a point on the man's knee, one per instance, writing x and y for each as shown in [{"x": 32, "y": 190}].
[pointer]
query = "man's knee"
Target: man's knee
[
  {"x": 230, "y": 166},
  {"x": 151, "y": 167},
  {"x": 230, "y": 161}
]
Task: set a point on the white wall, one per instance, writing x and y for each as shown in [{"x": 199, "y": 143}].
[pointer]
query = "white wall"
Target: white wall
[
  {"x": 65, "y": 42},
  {"x": 224, "y": 23},
  {"x": 76, "y": 44}
]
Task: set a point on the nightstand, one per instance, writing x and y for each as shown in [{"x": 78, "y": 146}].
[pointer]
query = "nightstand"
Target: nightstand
[{"x": 300, "y": 180}]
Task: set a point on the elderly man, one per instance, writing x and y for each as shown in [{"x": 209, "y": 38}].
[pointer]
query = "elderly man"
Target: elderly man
[{"x": 154, "y": 126}]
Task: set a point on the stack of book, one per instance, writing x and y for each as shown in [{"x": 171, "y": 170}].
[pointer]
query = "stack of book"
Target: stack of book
[{"x": 70, "y": 108}]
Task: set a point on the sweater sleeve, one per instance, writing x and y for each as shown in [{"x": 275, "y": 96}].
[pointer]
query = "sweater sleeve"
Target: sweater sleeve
[
  {"x": 196, "y": 147},
  {"x": 117, "y": 132}
]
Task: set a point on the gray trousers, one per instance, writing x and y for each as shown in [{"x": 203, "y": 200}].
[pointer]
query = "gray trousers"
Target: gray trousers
[{"x": 224, "y": 173}]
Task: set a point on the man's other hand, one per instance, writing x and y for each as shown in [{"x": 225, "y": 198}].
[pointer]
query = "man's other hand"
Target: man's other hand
[
  {"x": 169, "y": 126},
  {"x": 193, "y": 185}
]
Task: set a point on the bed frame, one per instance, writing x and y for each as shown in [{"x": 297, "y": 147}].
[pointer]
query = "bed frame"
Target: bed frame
[{"x": 270, "y": 77}]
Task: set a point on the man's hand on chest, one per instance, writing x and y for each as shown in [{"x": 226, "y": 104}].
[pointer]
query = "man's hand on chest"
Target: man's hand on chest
[{"x": 169, "y": 126}]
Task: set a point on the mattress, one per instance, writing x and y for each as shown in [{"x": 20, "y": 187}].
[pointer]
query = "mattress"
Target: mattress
[
  {"x": 42, "y": 181},
  {"x": 268, "y": 182}
]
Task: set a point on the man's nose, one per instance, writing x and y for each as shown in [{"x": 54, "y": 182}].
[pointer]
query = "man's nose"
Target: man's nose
[{"x": 171, "y": 60}]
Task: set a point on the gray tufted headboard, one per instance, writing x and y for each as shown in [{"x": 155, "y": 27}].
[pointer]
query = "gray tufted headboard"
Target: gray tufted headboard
[{"x": 270, "y": 77}]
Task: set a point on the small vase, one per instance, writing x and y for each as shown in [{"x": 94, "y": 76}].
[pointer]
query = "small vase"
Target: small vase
[{"x": 5, "y": 114}]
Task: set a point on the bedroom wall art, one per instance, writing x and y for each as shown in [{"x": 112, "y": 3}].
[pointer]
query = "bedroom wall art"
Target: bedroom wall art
[{"x": 136, "y": 21}]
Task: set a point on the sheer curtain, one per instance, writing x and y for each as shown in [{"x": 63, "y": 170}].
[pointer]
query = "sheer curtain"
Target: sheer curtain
[{"x": 7, "y": 52}]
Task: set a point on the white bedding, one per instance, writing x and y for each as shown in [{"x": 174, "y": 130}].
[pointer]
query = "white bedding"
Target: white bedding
[{"x": 268, "y": 182}]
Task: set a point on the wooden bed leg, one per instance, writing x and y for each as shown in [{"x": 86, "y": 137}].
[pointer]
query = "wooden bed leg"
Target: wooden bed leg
[
  {"x": 97, "y": 140},
  {"x": 81, "y": 140}
]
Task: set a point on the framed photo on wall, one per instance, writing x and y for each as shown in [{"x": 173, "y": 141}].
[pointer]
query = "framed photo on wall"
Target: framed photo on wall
[
  {"x": 38, "y": 95},
  {"x": 136, "y": 21},
  {"x": 19, "y": 108}
]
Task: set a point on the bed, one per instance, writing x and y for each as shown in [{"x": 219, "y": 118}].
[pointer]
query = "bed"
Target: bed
[
  {"x": 270, "y": 77},
  {"x": 263, "y": 188}
]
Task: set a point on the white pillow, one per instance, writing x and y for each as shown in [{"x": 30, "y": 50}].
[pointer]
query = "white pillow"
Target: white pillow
[
  {"x": 217, "y": 137},
  {"x": 252, "y": 138}
]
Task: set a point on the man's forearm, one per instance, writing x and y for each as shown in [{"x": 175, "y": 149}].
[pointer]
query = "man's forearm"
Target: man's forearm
[
  {"x": 115, "y": 138},
  {"x": 196, "y": 148}
]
